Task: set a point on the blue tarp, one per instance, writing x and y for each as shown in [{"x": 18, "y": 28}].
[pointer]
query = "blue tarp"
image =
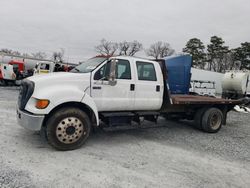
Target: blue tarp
[{"x": 179, "y": 73}]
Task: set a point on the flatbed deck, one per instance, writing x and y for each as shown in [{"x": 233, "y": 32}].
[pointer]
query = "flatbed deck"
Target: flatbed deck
[{"x": 193, "y": 99}]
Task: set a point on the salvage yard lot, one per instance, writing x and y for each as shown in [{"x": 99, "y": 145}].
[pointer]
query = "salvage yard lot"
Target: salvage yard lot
[{"x": 172, "y": 155}]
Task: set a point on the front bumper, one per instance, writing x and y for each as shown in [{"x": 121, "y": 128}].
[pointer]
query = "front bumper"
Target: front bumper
[{"x": 30, "y": 121}]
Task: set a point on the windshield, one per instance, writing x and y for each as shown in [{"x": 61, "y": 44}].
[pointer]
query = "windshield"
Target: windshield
[{"x": 89, "y": 65}]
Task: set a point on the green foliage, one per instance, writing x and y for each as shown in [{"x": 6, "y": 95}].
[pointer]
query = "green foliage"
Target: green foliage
[
  {"x": 242, "y": 54},
  {"x": 216, "y": 53},
  {"x": 218, "y": 57},
  {"x": 196, "y": 48}
]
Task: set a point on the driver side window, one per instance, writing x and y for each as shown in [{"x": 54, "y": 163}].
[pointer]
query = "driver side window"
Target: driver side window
[
  {"x": 123, "y": 70},
  {"x": 103, "y": 72}
]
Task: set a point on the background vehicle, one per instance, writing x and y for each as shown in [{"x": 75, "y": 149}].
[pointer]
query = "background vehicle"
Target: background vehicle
[
  {"x": 7, "y": 75},
  {"x": 13, "y": 66},
  {"x": 27, "y": 66},
  {"x": 18, "y": 68},
  {"x": 236, "y": 84},
  {"x": 44, "y": 68},
  {"x": 49, "y": 67},
  {"x": 116, "y": 91}
]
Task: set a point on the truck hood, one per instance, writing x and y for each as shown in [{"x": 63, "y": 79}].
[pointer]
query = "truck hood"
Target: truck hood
[
  {"x": 79, "y": 80},
  {"x": 58, "y": 88},
  {"x": 60, "y": 77}
]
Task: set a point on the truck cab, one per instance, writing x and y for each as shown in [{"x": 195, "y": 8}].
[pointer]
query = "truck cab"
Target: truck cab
[
  {"x": 115, "y": 85},
  {"x": 18, "y": 67},
  {"x": 132, "y": 85},
  {"x": 44, "y": 68},
  {"x": 115, "y": 90}
]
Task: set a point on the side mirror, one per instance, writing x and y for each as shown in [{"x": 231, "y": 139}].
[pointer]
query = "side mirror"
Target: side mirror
[{"x": 112, "y": 75}]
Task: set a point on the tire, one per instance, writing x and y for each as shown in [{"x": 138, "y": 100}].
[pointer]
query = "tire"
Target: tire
[
  {"x": 212, "y": 120},
  {"x": 5, "y": 83},
  {"x": 68, "y": 129},
  {"x": 198, "y": 118}
]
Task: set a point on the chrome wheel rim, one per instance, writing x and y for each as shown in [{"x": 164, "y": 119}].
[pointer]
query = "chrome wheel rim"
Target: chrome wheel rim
[
  {"x": 215, "y": 121},
  {"x": 70, "y": 130}
]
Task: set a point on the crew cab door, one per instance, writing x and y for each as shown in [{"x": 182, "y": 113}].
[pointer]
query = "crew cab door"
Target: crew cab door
[
  {"x": 149, "y": 86},
  {"x": 117, "y": 95}
]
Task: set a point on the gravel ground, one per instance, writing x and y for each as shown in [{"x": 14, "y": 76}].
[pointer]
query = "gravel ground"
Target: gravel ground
[{"x": 171, "y": 155}]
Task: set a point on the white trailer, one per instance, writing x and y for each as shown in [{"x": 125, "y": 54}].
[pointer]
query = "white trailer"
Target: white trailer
[{"x": 205, "y": 76}]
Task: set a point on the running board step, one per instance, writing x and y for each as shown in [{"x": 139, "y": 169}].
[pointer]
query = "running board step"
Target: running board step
[
  {"x": 121, "y": 118},
  {"x": 147, "y": 113},
  {"x": 117, "y": 118},
  {"x": 117, "y": 114}
]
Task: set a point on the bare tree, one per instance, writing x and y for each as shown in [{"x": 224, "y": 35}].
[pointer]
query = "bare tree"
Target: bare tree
[
  {"x": 124, "y": 48},
  {"x": 26, "y": 55},
  {"x": 129, "y": 48},
  {"x": 135, "y": 47},
  {"x": 58, "y": 56},
  {"x": 159, "y": 50},
  {"x": 5, "y": 50},
  {"x": 39, "y": 55},
  {"x": 9, "y": 51},
  {"x": 16, "y": 53},
  {"x": 106, "y": 48}
]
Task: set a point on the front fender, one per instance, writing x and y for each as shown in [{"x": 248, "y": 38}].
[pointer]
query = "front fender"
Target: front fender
[
  {"x": 56, "y": 95},
  {"x": 91, "y": 104}
]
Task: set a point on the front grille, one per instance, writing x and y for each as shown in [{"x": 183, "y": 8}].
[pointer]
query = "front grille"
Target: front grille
[{"x": 26, "y": 90}]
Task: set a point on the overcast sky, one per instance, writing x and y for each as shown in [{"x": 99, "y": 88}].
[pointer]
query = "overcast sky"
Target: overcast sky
[{"x": 78, "y": 25}]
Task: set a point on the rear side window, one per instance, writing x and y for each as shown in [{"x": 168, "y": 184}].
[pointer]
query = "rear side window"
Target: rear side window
[{"x": 146, "y": 71}]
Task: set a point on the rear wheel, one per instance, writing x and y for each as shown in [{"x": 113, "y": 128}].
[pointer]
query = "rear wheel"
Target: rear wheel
[
  {"x": 68, "y": 129},
  {"x": 198, "y": 118},
  {"x": 211, "y": 121}
]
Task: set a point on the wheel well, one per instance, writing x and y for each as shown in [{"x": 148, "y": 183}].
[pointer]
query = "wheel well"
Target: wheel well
[{"x": 79, "y": 105}]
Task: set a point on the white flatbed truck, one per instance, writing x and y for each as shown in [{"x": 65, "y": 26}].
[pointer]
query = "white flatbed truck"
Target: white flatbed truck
[{"x": 114, "y": 90}]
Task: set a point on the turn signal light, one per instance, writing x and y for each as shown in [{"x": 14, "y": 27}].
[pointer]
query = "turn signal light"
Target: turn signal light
[{"x": 42, "y": 103}]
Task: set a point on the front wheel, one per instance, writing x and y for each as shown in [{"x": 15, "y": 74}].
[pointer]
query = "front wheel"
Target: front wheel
[{"x": 68, "y": 128}]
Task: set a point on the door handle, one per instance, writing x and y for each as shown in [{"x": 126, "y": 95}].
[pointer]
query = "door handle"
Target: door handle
[
  {"x": 158, "y": 88},
  {"x": 132, "y": 87},
  {"x": 97, "y": 87}
]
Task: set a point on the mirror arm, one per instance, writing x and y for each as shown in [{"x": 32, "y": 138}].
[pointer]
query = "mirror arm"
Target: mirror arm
[{"x": 112, "y": 77}]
